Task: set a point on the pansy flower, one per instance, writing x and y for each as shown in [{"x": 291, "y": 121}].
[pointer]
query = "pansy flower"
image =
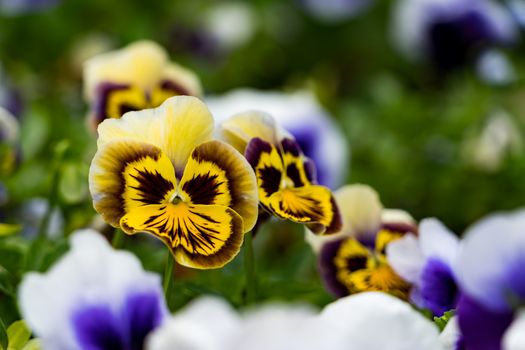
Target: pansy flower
[
  {"x": 491, "y": 277},
  {"x": 93, "y": 298},
  {"x": 286, "y": 178},
  {"x": 429, "y": 263},
  {"x": 314, "y": 129},
  {"x": 136, "y": 77},
  {"x": 159, "y": 171},
  {"x": 354, "y": 259}
]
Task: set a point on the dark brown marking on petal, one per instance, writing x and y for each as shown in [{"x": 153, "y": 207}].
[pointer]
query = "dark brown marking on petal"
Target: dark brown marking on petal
[
  {"x": 254, "y": 149},
  {"x": 337, "y": 222},
  {"x": 271, "y": 180},
  {"x": 174, "y": 87},
  {"x": 310, "y": 171},
  {"x": 152, "y": 187},
  {"x": 355, "y": 263},
  {"x": 293, "y": 173},
  {"x": 203, "y": 189},
  {"x": 292, "y": 147}
]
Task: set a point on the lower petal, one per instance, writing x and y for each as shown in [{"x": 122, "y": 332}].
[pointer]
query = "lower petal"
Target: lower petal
[
  {"x": 312, "y": 205},
  {"x": 199, "y": 236},
  {"x": 482, "y": 328},
  {"x": 96, "y": 328}
]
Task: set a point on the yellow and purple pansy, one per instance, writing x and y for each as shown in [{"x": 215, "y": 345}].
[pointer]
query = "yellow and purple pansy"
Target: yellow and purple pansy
[
  {"x": 159, "y": 171},
  {"x": 354, "y": 259},
  {"x": 286, "y": 178},
  {"x": 136, "y": 77}
]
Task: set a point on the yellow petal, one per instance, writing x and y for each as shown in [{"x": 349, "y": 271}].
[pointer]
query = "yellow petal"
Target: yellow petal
[
  {"x": 140, "y": 64},
  {"x": 384, "y": 237},
  {"x": 199, "y": 236},
  {"x": 126, "y": 174},
  {"x": 183, "y": 77},
  {"x": 217, "y": 174},
  {"x": 176, "y": 127},
  {"x": 243, "y": 127},
  {"x": 310, "y": 205},
  {"x": 120, "y": 101}
]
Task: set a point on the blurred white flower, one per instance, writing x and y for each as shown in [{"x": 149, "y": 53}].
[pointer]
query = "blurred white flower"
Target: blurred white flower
[
  {"x": 92, "y": 298},
  {"x": 9, "y": 130},
  {"x": 494, "y": 68},
  {"x": 231, "y": 24},
  {"x": 318, "y": 135},
  {"x": 498, "y": 138},
  {"x": 514, "y": 338},
  {"x": 373, "y": 320},
  {"x": 33, "y": 212},
  {"x": 450, "y": 337}
]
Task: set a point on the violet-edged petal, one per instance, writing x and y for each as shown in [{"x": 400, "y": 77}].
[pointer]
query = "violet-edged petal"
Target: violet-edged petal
[
  {"x": 405, "y": 257},
  {"x": 491, "y": 260},
  {"x": 482, "y": 328},
  {"x": 438, "y": 242}
]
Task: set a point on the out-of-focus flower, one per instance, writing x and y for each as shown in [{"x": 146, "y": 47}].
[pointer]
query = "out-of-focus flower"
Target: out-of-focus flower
[
  {"x": 299, "y": 113},
  {"x": 230, "y": 24},
  {"x": 136, "y": 77},
  {"x": 429, "y": 263},
  {"x": 335, "y": 10},
  {"x": 33, "y": 212},
  {"x": 376, "y": 320},
  {"x": 356, "y": 261},
  {"x": 9, "y": 135},
  {"x": 490, "y": 274},
  {"x": 514, "y": 338},
  {"x": 159, "y": 171},
  {"x": 517, "y": 8},
  {"x": 451, "y": 337},
  {"x": 92, "y": 298},
  {"x": 366, "y": 321},
  {"x": 286, "y": 178},
  {"x": 450, "y": 33},
  {"x": 500, "y": 136},
  {"x": 10, "y": 98},
  {"x": 19, "y": 7},
  {"x": 494, "y": 68}
]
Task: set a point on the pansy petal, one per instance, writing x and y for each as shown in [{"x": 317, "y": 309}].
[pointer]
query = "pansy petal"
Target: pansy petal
[
  {"x": 294, "y": 163},
  {"x": 96, "y": 327},
  {"x": 361, "y": 211},
  {"x": 188, "y": 83},
  {"x": 404, "y": 256},
  {"x": 267, "y": 163},
  {"x": 437, "y": 241},
  {"x": 127, "y": 174},
  {"x": 514, "y": 338},
  {"x": 199, "y": 236},
  {"x": 217, "y": 174},
  {"x": 140, "y": 64},
  {"x": 243, "y": 127},
  {"x": 311, "y": 205},
  {"x": 176, "y": 127}
]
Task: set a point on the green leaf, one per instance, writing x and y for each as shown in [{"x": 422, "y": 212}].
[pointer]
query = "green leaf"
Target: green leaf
[
  {"x": 442, "y": 321},
  {"x": 18, "y": 335},
  {"x": 9, "y": 229}
]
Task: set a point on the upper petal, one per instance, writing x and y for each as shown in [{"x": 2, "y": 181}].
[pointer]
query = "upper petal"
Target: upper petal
[
  {"x": 438, "y": 242},
  {"x": 176, "y": 127},
  {"x": 141, "y": 64},
  {"x": 217, "y": 174},
  {"x": 405, "y": 257}
]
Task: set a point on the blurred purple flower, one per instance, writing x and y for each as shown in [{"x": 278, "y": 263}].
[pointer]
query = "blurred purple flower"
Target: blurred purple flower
[
  {"x": 320, "y": 138},
  {"x": 491, "y": 275},
  {"x": 10, "y": 97},
  {"x": 451, "y": 33},
  {"x": 93, "y": 298},
  {"x": 429, "y": 263}
]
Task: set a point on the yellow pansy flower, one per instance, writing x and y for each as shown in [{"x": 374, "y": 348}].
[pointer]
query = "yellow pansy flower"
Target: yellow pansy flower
[
  {"x": 286, "y": 178},
  {"x": 159, "y": 171},
  {"x": 136, "y": 77}
]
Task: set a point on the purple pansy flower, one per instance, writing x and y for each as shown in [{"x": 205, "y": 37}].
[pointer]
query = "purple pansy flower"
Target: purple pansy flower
[
  {"x": 491, "y": 275},
  {"x": 93, "y": 298},
  {"x": 451, "y": 33},
  {"x": 429, "y": 263}
]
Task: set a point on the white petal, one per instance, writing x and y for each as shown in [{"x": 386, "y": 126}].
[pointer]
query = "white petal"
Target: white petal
[
  {"x": 206, "y": 324},
  {"x": 438, "y": 241},
  {"x": 488, "y": 249},
  {"x": 396, "y": 216},
  {"x": 451, "y": 334},
  {"x": 374, "y": 320},
  {"x": 514, "y": 337},
  {"x": 405, "y": 257}
]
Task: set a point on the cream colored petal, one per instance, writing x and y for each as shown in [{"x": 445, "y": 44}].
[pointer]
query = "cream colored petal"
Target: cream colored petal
[
  {"x": 184, "y": 77},
  {"x": 397, "y": 216},
  {"x": 177, "y": 126},
  {"x": 140, "y": 63},
  {"x": 242, "y": 127},
  {"x": 360, "y": 209}
]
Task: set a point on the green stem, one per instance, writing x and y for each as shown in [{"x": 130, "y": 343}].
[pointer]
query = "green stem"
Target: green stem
[
  {"x": 168, "y": 276},
  {"x": 249, "y": 268},
  {"x": 118, "y": 238}
]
